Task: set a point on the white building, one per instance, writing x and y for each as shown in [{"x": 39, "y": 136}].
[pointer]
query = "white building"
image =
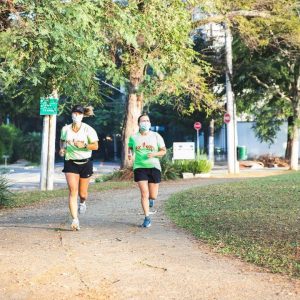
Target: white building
[{"x": 247, "y": 138}]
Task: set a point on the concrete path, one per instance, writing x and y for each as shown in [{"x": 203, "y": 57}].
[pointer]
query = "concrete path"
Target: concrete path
[{"x": 111, "y": 257}]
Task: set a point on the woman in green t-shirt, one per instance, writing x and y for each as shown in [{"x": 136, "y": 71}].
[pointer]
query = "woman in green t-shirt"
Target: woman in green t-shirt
[{"x": 146, "y": 146}]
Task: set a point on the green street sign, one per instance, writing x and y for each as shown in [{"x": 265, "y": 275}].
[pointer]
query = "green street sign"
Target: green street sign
[{"x": 48, "y": 106}]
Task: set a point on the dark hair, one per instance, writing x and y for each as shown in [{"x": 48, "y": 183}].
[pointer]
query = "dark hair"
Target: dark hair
[
  {"x": 86, "y": 111},
  {"x": 78, "y": 108},
  {"x": 143, "y": 115}
]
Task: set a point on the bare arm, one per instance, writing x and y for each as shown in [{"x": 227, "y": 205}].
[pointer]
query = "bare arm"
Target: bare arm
[
  {"x": 162, "y": 151},
  {"x": 93, "y": 146},
  {"x": 62, "y": 150},
  {"x": 83, "y": 145},
  {"x": 129, "y": 153}
]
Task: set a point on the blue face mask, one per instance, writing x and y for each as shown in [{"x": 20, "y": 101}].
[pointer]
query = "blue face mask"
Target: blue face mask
[{"x": 145, "y": 126}]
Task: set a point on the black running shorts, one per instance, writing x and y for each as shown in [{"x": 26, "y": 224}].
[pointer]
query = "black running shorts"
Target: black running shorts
[
  {"x": 152, "y": 175},
  {"x": 85, "y": 170}
]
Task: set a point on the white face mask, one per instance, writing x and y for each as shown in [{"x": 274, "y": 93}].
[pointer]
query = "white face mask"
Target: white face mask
[
  {"x": 144, "y": 126},
  {"x": 77, "y": 118}
]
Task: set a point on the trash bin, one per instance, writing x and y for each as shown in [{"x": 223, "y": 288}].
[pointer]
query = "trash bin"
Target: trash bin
[{"x": 241, "y": 152}]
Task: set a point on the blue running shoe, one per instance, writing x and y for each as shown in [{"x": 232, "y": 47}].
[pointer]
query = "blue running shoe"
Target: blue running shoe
[
  {"x": 147, "y": 222},
  {"x": 151, "y": 202}
]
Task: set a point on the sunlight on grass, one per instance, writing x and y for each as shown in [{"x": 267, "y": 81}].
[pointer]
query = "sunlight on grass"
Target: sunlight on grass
[{"x": 256, "y": 219}]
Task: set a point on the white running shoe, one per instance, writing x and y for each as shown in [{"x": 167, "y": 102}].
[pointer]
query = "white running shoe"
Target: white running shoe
[
  {"x": 75, "y": 225},
  {"x": 82, "y": 208}
]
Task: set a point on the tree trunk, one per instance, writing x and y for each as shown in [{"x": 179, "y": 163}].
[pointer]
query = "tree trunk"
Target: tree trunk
[
  {"x": 133, "y": 109},
  {"x": 134, "y": 106},
  {"x": 296, "y": 108},
  {"x": 294, "y": 148},
  {"x": 288, "y": 150}
]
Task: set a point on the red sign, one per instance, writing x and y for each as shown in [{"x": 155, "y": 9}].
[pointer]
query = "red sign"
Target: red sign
[
  {"x": 197, "y": 125},
  {"x": 227, "y": 118}
]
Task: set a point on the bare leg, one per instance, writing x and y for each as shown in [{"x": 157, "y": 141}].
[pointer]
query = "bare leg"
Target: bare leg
[
  {"x": 143, "y": 185},
  {"x": 153, "y": 190},
  {"x": 73, "y": 182},
  {"x": 83, "y": 188}
]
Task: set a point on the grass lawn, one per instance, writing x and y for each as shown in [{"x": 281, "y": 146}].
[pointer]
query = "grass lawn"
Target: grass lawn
[
  {"x": 19, "y": 199},
  {"x": 257, "y": 220}
]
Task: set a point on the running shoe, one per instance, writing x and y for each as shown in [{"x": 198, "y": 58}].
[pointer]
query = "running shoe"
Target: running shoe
[
  {"x": 151, "y": 202},
  {"x": 82, "y": 208},
  {"x": 147, "y": 222},
  {"x": 75, "y": 225}
]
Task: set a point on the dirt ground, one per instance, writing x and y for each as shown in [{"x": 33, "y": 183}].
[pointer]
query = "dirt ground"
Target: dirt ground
[{"x": 112, "y": 257}]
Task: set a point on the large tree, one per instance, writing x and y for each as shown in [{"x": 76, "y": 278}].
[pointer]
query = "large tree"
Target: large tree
[
  {"x": 272, "y": 24},
  {"x": 144, "y": 46},
  {"x": 152, "y": 53},
  {"x": 48, "y": 46},
  {"x": 262, "y": 84},
  {"x": 277, "y": 41}
]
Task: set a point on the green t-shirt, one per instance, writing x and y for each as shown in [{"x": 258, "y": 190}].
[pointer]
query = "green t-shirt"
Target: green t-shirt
[{"x": 142, "y": 145}]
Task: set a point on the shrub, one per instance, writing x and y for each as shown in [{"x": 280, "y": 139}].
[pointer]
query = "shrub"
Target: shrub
[
  {"x": 117, "y": 175},
  {"x": 169, "y": 171},
  {"x": 31, "y": 146},
  {"x": 202, "y": 166},
  {"x": 10, "y": 142},
  {"x": 194, "y": 166},
  {"x": 5, "y": 194}
]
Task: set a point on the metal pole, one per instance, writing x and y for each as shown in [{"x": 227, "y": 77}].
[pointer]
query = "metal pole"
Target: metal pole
[
  {"x": 51, "y": 152},
  {"x": 115, "y": 147},
  {"x": 211, "y": 141},
  {"x": 198, "y": 147},
  {"x": 44, "y": 154},
  {"x": 231, "y": 126}
]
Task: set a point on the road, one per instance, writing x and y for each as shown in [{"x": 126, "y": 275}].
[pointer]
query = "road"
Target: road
[{"x": 23, "y": 176}]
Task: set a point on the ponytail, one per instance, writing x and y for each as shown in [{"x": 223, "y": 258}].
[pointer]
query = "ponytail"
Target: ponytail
[{"x": 88, "y": 111}]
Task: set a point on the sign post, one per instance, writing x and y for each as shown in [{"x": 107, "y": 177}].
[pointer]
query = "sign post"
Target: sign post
[
  {"x": 48, "y": 109},
  {"x": 197, "y": 127}
]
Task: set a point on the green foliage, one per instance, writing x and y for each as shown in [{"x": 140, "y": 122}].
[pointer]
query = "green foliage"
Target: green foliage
[
  {"x": 52, "y": 45},
  {"x": 255, "y": 219},
  {"x": 5, "y": 194},
  {"x": 18, "y": 145},
  {"x": 9, "y": 142},
  {"x": 264, "y": 87},
  {"x": 169, "y": 170},
  {"x": 266, "y": 48},
  {"x": 31, "y": 145},
  {"x": 193, "y": 166},
  {"x": 152, "y": 50}
]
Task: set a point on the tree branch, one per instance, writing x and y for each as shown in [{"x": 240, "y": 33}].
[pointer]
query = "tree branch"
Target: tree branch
[
  {"x": 231, "y": 15},
  {"x": 275, "y": 89}
]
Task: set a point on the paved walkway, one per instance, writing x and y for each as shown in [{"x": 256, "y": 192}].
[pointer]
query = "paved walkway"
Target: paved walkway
[{"x": 113, "y": 258}]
